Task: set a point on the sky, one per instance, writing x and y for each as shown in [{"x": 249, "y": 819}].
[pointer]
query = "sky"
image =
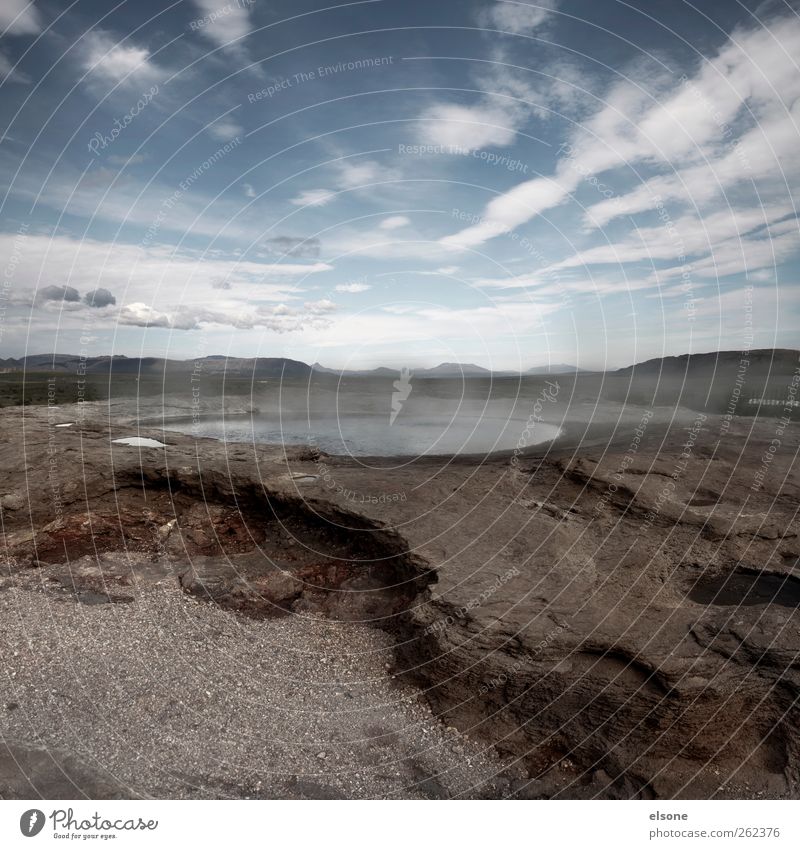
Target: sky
[{"x": 397, "y": 182}]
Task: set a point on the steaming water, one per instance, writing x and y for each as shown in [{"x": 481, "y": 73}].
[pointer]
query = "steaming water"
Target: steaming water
[{"x": 369, "y": 434}]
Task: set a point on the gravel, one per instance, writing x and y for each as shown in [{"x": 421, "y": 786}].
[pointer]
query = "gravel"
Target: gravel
[{"x": 175, "y": 698}]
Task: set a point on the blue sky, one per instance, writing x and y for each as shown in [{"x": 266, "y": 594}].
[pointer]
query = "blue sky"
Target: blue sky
[{"x": 399, "y": 183}]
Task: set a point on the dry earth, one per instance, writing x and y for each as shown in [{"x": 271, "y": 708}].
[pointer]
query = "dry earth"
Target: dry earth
[{"x": 614, "y": 617}]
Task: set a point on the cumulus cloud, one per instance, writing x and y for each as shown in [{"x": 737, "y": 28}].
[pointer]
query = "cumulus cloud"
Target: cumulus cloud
[
  {"x": 224, "y": 130},
  {"x": 142, "y": 315},
  {"x": 19, "y": 17},
  {"x": 160, "y": 286},
  {"x": 322, "y": 306},
  {"x": 99, "y": 298},
  {"x": 279, "y": 318},
  {"x": 106, "y": 57},
  {"x": 554, "y": 88},
  {"x": 57, "y": 293},
  {"x": 516, "y": 17},
  {"x": 223, "y": 23}
]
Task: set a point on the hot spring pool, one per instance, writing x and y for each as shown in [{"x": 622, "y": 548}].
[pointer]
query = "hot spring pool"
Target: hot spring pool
[{"x": 371, "y": 435}]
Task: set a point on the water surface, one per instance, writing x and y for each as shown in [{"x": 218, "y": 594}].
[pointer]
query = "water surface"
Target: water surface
[{"x": 363, "y": 434}]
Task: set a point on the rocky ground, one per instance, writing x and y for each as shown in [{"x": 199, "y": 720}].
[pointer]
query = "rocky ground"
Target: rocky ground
[
  {"x": 613, "y": 617},
  {"x": 165, "y": 696}
]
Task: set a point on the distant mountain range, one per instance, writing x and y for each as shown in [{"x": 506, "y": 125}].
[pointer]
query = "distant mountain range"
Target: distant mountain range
[
  {"x": 442, "y": 370},
  {"x": 774, "y": 360},
  {"x": 243, "y": 366},
  {"x": 555, "y": 368},
  {"x": 765, "y": 361},
  {"x": 215, "y": 364}
]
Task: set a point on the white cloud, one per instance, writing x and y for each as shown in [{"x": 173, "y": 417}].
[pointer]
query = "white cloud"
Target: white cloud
[
  {"x": 162, "y": 287},
  {"x": 279, "y": 319},
  {"x": 105, "y": 194},
  {"x": 249, "y": 190},
  {"x": 353, "y": 288},
  {"x": 313, "y": 197},
  {"x": 466, "y": 128},
  {"x": 142, "y": 315},
  {"x": 760, "y": 251},
  {"x": 688, "y": 235},
  {"x": 224, "y": 130},
  {"x": 19, "y": 17},
  {"x": 353, "y": 174},
  {"x": 222, "y": 22},
  {"x": 727, "y": 125},
  {"x": 393, "y": 222},
  {"x": 511, "y": 98},
  {"x": 414, "y": 325},
  {"x": 511, "y": 209},
  {"x": 322, "y": 306},
  {"x": 380, "y": 244},
  {"x": 516, "y": 17},
  {"x": 103, "y": 55},
  {"x": 347, "y": 175}
]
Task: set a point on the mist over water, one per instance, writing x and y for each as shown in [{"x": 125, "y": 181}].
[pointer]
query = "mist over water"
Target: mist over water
[
  {"x": 365, "y": 434},
  {"x": 370, "y": 421}
]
